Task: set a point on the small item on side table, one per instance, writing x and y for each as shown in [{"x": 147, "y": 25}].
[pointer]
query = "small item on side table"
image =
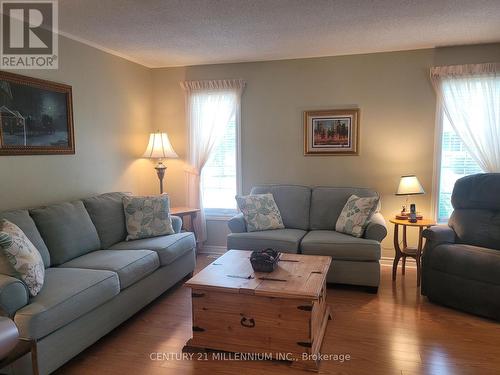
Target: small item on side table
[
  {"x": 265, "y": 260},
  {"x": 413, "y": 214},
  {"x": 405, "y": 217}
]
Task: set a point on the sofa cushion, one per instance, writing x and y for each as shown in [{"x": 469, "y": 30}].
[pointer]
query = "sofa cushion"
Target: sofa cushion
[
  {"x": 327, "y": 204},
  {"x": 466, "y": 261},
  {"x": 286, "y": 240},
  {"x": 67, "y": 230},
  {"x": 106, "y": 212},
  {"x": 22, "y": 255},
  {"x": 340, "y": 246},
  {"x": 169, "y": 248},
  {"x": 260, "y": 212},
  {"x": 24, "y": 221},
  {"x": 356, "y": 215},
  {"x": 147, "y": 216},
  {"x": 292, "y": 201},
  {"x": 130, "y": 265},
  {"x": 68, "y": 293}
]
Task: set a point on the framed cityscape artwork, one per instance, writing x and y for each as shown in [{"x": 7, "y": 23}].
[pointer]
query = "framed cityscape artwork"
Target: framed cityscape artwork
[{"x": 331, "y": 132}]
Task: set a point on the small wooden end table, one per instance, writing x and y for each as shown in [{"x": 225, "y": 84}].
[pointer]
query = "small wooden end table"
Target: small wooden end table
[
  {"x": 186, "y": 211},
  {"x": 408, "y": 251}
]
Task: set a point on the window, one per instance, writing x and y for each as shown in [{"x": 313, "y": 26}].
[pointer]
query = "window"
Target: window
[
  {"x": 456, "y": 162},
  {"x": 219, "y": 175},
  {"x": 469, "y": 97}
]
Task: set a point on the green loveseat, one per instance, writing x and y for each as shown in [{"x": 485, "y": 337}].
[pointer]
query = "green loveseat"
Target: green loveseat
[
  {"x": 309, "y": 216},
  {"x": 94, "y": 279}
]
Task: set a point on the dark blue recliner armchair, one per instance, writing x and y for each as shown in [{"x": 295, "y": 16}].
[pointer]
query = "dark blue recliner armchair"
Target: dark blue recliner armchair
[{"x": 461, "y": 261}]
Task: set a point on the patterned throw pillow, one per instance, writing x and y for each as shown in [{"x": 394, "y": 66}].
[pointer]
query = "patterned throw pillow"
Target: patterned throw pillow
[
  {"x": 356, "y": 215},
  {"x": 260, "y": 212},
  {"x": 23, "y": 256},
  {"x": 147, "y": 216}
]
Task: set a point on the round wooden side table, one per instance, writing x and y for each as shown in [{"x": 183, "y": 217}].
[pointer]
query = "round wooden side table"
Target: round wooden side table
[{"x": 408, "y": 251}]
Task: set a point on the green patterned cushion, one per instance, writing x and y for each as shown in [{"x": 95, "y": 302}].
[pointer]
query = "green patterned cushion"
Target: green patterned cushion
[
  {"x": 147, "y": 216},
  {"x": 356, "y": 215},
  {"x": 260, "y": 212},
  {"x": 23, "y": 256}
]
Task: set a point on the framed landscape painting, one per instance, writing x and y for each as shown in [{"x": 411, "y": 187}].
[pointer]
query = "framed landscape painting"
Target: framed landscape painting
[
  {"x": 331, "y": 132},
  {"x": 36, "y": 116}
]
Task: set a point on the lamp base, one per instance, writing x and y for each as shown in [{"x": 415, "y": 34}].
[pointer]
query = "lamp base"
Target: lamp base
[{"x": 160, "y": 171}]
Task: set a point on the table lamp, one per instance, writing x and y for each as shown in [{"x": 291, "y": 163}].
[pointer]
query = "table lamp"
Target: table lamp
[
  {"x": 159, "y": 148},
  {"x": 409, "y": 185}
]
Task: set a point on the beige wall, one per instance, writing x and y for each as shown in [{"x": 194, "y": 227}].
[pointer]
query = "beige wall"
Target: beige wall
[
  {"x": 116, "y": 104},
  {"x": 112, "y": 119},
  {"x": 397, "y": 120}
]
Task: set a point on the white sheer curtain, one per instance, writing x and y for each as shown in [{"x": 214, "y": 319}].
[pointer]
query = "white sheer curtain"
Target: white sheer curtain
[
  {"x": 210, "y": 105},
  {"x": 470, "y": 97}
]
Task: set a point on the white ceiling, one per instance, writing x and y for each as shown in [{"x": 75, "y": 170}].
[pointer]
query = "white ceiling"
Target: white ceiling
[{"x": 162, "y": 33}]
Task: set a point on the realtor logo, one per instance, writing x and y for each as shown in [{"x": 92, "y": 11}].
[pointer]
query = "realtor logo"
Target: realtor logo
[{"x": 29, "y": 35}]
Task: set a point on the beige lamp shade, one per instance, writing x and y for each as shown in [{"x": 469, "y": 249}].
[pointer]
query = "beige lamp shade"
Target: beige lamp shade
[
  {"x": 409, "y": 185},
  {"x": 159, "y": 147}
]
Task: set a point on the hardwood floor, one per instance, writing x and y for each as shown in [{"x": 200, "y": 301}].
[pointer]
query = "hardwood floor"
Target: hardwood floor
[{"x": 393, "y": 332}]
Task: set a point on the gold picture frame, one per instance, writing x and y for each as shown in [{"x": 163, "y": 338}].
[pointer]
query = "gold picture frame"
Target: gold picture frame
[
  {"x": 36, "y": 116},
  {"x": 331, "y": 132}
]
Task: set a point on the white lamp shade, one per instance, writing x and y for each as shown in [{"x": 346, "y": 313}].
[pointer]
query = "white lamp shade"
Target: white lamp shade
[
  {"x": 159, "y": 147},
  {"x": 409, "y": 185}
]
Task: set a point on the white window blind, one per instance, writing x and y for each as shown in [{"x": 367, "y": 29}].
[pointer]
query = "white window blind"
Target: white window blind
[
  {"x": 456, "y": 162},
  {"x": 219, "y": 176}
]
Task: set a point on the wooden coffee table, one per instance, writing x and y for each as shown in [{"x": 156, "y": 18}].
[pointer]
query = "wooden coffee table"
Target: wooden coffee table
[{"x": 282, "y": 314}]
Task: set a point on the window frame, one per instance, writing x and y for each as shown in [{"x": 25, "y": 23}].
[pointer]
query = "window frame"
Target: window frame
[{"x": 436, "y": 175}]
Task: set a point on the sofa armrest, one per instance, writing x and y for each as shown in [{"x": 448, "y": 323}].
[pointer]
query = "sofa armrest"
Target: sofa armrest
[
  {"x": 237, "y": 224},
  {"x": 376, "y": 229},
  {"x": 176, "y": 223},
  {"x": 439, "y": 234},
  {"x": 13, "y": 295}
]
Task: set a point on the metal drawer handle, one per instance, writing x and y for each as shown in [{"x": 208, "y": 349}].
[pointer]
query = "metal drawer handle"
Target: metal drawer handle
[{"x": 249, "y": 323}]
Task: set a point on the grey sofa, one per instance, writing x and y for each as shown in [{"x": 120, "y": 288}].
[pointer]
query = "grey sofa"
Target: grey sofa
[
  {"x": 94, "y": 279},
  {"x": 309, "y": 216},
  {"x": 461, "y": 261}
]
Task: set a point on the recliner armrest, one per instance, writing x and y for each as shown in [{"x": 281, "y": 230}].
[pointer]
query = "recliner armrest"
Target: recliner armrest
[
  {"x": 176, "y": 223},
  {"x": 376, "y": 229},
  {"x": 237, "y": 224},
  {"x": 13, "y": 295},
  {"x": 439, "y": 234}
]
